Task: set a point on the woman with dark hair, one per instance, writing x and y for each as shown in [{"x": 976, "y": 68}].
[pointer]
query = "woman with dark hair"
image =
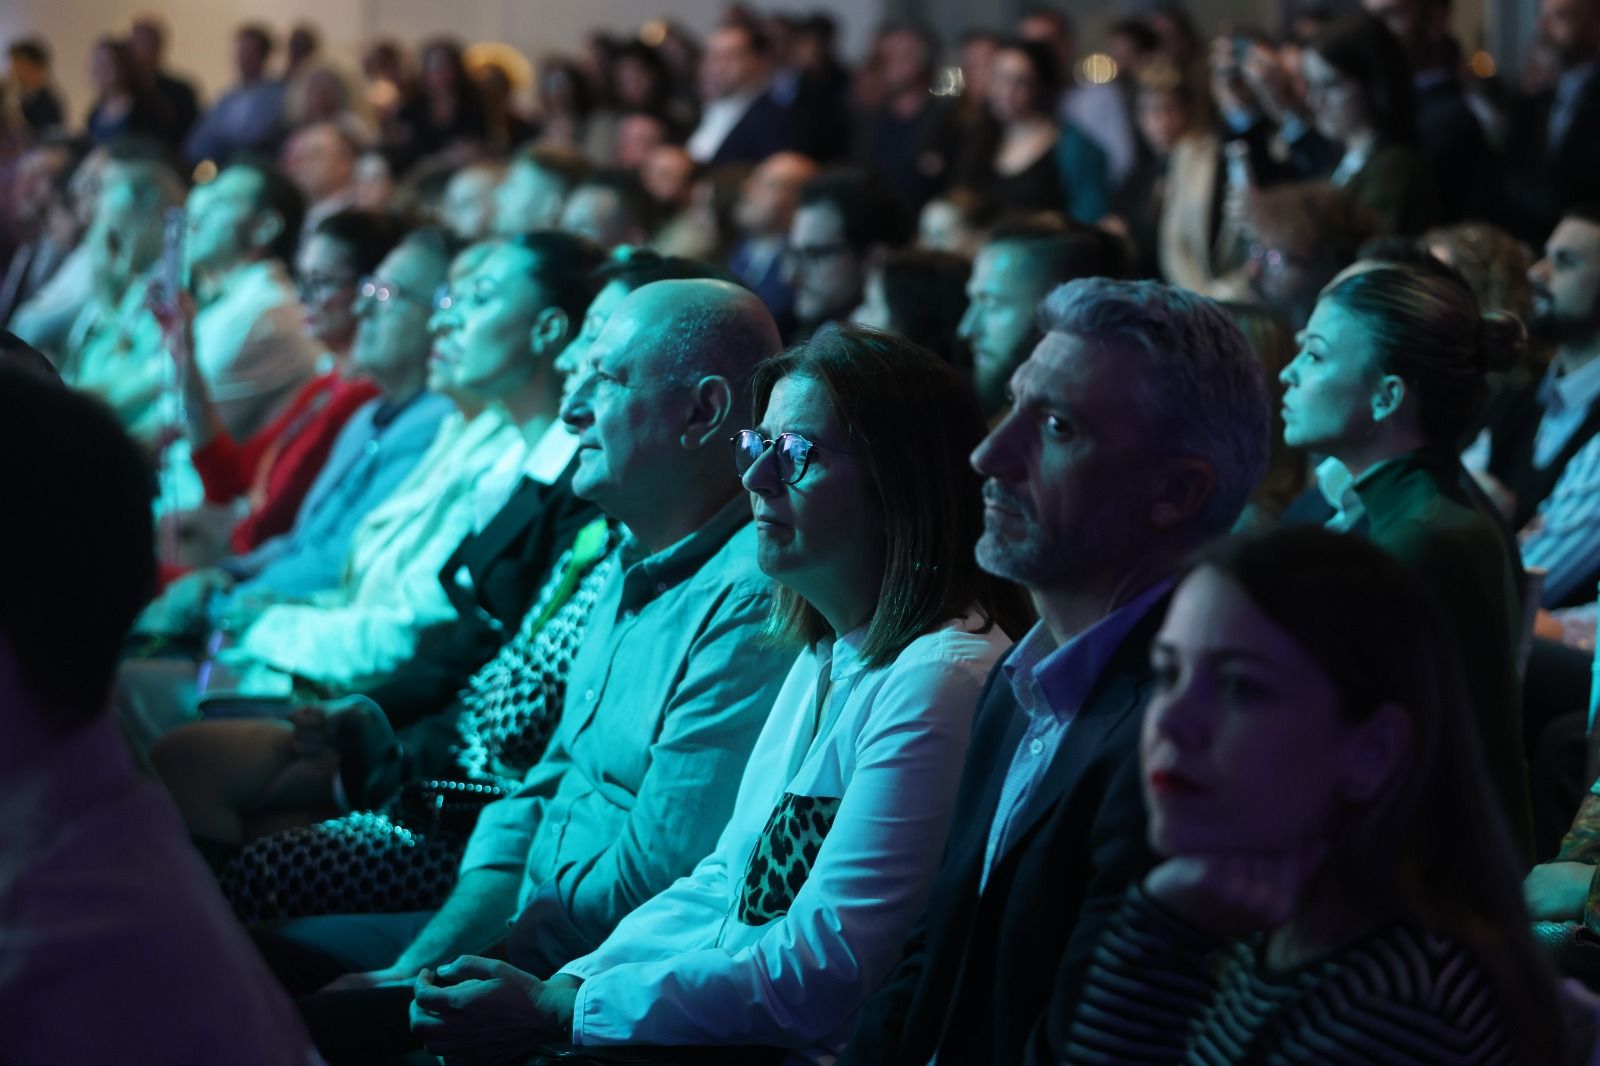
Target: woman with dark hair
[
  {"x": 1018, "y": 154},
  {"x": 447, "y": 110},
  {"x": 922, "y": 296},
  {"x": 866, "y": 514},
  {"x": 1359, "y": 92},
  {"x": 1339, "y": 883},
  {"x": 1389, "y": 378},
  {"x": 123, "y": 105}
]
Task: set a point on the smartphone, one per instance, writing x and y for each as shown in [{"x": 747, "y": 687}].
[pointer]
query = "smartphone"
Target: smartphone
[{"x": 172, "y": 274}]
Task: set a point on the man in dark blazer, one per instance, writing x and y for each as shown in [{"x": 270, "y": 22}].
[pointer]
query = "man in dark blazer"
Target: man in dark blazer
[
  {"x": 1104, "y": 476},
  {"x": 742, "y": 121},
  {"x": 1553, "y": 157}
]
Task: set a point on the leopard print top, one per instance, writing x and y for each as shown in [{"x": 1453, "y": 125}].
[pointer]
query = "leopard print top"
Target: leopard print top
[{"x": 784, "y": 854}]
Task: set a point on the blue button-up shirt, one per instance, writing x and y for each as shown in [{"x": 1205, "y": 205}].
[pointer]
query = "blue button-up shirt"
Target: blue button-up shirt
[{"x": 1051, "y": 684}]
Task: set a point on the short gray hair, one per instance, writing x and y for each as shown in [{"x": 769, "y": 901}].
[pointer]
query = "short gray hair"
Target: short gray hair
[{"x": 1201, "y": 391}]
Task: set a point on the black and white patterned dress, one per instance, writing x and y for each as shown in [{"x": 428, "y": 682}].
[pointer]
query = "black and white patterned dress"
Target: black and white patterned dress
[{"x": 389, "y": 860}]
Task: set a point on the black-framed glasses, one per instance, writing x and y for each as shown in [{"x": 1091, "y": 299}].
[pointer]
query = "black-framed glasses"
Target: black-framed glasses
[
  {"x": 379, "y": 291},
  {"x": 792, "y": 453}
]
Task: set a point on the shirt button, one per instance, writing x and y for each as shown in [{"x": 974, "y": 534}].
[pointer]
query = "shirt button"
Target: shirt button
[
  {"x": 661, "y": 586},
  {"x": 1036, "y": 746},
  {"x": 589, "y": 695},
  {"x": 372, "y": 447}
]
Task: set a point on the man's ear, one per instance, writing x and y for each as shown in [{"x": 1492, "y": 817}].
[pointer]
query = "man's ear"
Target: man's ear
[
  {"x": 710, "y": 404},
  {"x": 1372, "y": 754},
  {"x": 549, "y": 331},
  {"x": 267, "y": 227},
  {"x": 1182, "y": 488},
  {"x": 1387, "y": 397}
]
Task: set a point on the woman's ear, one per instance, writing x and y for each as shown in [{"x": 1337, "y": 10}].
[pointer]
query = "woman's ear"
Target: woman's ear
[
  {"x": 1387, "y": 397},
  {"x": 549, "y": 331},
  {"x": 1374, "y": 752}
]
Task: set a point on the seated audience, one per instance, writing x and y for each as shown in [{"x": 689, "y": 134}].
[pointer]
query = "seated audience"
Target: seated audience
[
  {"x": 179, "y": 102},
  {"x": 641, "y": 775},
  {"x": 844, "y": 217},
  {"x": 271, "y": 470},
  {"x": 1359, "y": 91},
  {"x": 38, "y": 100},
  {"x": 114, "y": 349},
  {"x": 247, "y": 118},
  {"x": 911, "y": 138},
  {"x": 446, "y": 112},
  {"x": 467, "y": 212},
  {"x": 1177, "y": 212},
  {"x": 611, "y": 208},
  {"x": 102, "y": 895},
  {"x": 957, "y": 220},
  {"x": 1274, "y": 346},
  {"x": 870, "y": 448},
  {"x": 320, "y": 158},
  {"x": 741, "y": 119},
  {"x": 378, "y": 446},
  {"x": 1336, "y": 874},
  {"x": 921, "y": 296},
  {"x": 1388, "y": 379},
  {"x": 1301, "y": 235},
  {"x": 36, "y": 178},
  {"x": 1017, "y": 268},
  {"x": 535, "y": 188},
  {"x": 249, "y": 342},
  {"x": 1544, "y": 442},
  {"x": 1019, "y": 155},
  {"x": 764, "y": 214},
  {"x": 1049, "y": 824},
  {"x": 124, "y": 106}
]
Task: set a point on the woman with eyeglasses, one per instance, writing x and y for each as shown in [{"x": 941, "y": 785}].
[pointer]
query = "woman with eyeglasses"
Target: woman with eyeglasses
[
  {"x": 866, "y": 513},
  {"x": 1339, "y": 885},
  {"x": 272, "y": 470},
  {"x": 1389, "y": 378},
  {"x": 1360, "y": 95}
]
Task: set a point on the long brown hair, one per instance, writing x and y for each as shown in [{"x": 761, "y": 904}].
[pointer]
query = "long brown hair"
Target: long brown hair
[
  {"x": 1432, "y": 845},
  {"x": 913, "y": 420}
]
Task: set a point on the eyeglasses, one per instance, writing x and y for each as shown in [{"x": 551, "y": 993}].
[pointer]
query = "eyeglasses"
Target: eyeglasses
[
  {"x": 793, "y": 453},
  {"x": 379, "y": 291},
  {"x": 816, "y": 253},
  {"x": 1270, "y": 259}
]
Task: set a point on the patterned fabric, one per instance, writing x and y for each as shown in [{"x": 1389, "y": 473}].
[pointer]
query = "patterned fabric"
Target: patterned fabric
[
  {"x": 361, "y": 863},
  {"x": 512, "y": 705},
  {"x": 373, "y": 862},
  {"x": 783, "y": 857},
  {"x": 1582, "y": 844}
]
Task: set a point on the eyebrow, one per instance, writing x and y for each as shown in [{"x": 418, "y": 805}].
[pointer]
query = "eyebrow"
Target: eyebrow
[{"x": 1223, "y": 654}]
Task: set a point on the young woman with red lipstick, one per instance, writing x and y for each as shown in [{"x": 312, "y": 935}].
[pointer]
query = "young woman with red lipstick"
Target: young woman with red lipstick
[{"x": 1340, "y": 885}]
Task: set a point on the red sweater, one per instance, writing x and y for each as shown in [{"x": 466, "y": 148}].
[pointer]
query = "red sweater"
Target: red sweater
[{"x": 274, "y": 468}]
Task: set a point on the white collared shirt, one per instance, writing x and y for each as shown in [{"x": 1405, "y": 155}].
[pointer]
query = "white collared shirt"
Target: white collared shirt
[{"x": 716, "y": 122}]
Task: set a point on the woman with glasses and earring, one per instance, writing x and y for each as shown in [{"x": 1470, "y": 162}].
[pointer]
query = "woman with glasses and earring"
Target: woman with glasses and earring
[
  {"x": 866, "y": 513},
  {"x": 272, "y": 470},
  {"x": 1389, "y": 377}
]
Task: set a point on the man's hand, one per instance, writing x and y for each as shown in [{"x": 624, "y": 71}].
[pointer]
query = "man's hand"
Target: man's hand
[
  {"x": 1234, "y": 896},
  {"x": 1557, "y": 891},
  {"x": 353, "y": 726},
  {"x": 483, "y": 1010}
]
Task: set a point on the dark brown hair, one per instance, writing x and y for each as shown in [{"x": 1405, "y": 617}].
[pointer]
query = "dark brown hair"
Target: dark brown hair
[{"x": 912, "y": 421}]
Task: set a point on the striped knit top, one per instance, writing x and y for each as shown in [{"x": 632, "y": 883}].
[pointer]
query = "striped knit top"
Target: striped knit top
[{"x": 1160, "y": 991}]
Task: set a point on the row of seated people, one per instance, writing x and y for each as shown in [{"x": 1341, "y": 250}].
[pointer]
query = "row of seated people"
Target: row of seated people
[{"x": 916, "y": 839}]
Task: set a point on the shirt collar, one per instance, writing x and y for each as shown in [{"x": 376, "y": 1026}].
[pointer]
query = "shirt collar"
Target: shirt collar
[
  {"x": 647, "y": 576},
  {"x": 1056, "y": 680},
  {"x": 1573, "y": 391}
]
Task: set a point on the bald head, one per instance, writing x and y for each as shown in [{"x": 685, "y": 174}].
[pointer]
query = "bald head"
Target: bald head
[
  {"x": 653, "y": 407},
  {"x": 699, "y": 327}
]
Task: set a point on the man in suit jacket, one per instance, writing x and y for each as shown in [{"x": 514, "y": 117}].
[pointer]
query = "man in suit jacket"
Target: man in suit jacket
[
  {"x": 767, "y": 203},
  {"x": 1553, "y": 158},
  {"x": 1097, "y": 487},
  {"x": 742, "y": 121}
]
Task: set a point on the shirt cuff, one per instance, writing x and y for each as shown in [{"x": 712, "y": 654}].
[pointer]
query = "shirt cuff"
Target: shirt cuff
[{"x": 580, "y": 1007}]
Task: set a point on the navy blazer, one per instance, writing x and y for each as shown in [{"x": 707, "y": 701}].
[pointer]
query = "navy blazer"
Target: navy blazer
[
  {"x": 766, "y": 128},
  {"x": 980, "y": 971}
]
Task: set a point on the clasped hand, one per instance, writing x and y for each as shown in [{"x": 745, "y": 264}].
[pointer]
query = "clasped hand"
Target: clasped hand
[{"x": 477, "y": 1010}]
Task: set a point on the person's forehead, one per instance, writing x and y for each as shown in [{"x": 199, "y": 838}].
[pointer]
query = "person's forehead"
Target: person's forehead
[{"x": 1576, "y": 234}]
